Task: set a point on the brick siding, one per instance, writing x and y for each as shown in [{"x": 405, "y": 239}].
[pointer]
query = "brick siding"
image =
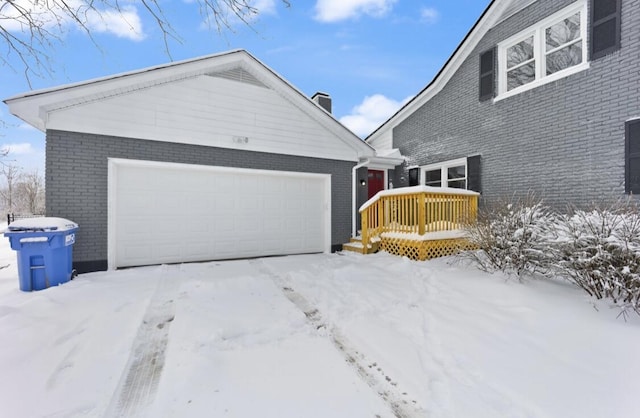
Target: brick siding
[
  {"x": 77, "y": 171},
  {"x": 563, "y": 140}
]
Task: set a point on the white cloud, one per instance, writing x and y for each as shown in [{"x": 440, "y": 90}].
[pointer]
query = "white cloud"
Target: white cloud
[
  {"x": 23, "y": 148},
  {"x": 49, "y": 15},
  {"x": 371, "y": 113},
  {"x": 336, "y": 10},
  {"x": 265, "y": 6},
  {"x": 429, "y": 15},
  {"x": 123, "y": 24}
]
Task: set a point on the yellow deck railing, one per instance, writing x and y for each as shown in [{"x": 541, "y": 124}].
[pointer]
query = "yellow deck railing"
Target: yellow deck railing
[{"x": 418, "y": 213}]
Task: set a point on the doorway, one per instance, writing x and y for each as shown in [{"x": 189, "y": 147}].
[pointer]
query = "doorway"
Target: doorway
[{"x": 375, "y": 182}]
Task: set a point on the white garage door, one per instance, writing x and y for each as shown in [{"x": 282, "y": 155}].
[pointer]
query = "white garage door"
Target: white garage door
[{"x": 169, "y": 213}]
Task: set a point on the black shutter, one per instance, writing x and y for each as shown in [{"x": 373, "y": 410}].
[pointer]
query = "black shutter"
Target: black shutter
[
  {"x": 487, "y": 75},
  {"x": 473, "y": 174},
  {"x": 632, "y": 157},
  {"x": 414, "y": 176},
  {"x": 605, "y": 27}
]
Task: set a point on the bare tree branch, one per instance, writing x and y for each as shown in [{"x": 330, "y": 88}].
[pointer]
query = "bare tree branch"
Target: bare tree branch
[{"x": 31, "y": 29}]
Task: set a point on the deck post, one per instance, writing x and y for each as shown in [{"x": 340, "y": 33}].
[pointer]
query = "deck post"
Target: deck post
[
  {"x": 365, "y": 228},
  {"x": 421, "y": 213}
]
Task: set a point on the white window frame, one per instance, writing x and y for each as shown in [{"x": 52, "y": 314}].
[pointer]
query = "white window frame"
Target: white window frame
[
  {"x": 444, "y": 167},
  {"x": 539, "y": 53}
]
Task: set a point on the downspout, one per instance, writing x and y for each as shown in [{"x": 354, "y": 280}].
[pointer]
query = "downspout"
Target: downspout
[{"x": 354, "y": 228}]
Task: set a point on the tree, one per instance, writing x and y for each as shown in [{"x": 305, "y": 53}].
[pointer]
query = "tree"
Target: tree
[
  {"x": 10, "y": 173},
  {"x": 29, "y": 193},
  {"x": 30, "y": 28}
]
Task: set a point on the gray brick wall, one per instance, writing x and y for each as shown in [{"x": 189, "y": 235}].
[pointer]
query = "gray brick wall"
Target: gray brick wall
[
  {"x": 76, "y": 180},
  {"x": 563, "y": 140}
]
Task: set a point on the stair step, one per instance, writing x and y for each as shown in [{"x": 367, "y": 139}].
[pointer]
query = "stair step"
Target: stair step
[{"x": 356, "y": 246}]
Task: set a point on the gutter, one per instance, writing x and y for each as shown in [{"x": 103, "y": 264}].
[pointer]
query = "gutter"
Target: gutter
[{"x": 354, "y": 228}]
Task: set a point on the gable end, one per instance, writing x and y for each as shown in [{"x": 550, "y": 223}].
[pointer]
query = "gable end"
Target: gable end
[{"x": 238, "y": 74}]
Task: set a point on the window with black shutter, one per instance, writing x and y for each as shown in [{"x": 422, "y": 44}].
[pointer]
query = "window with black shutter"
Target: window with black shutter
[
  {"x": 605, "y": 27},
  {"x": 414, "y": 176},
  {"x": 632, "y": 157},
  {"x": 487, "y": 70},
  {"x": 473, "y": 174}
]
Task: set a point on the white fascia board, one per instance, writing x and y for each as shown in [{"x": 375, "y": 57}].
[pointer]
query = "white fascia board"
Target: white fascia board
[
  {"x": 385, "y": 162},
  {"x": 33, "y": 107},
  {"x": 489, "y": 18}
]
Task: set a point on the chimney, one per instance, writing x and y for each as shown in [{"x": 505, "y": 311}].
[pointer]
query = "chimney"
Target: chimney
[{"x": 323, "y": 99}]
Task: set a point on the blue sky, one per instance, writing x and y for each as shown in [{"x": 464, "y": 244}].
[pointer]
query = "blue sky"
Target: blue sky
[{"x": 369, "y": 55}]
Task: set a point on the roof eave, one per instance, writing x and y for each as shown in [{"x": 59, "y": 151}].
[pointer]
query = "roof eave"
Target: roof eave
[{"x": 485, "y": 22}]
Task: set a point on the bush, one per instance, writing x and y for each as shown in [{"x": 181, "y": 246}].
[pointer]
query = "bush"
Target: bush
[
  {"x": 512, "y": 237},
  {"x": 599, "y": 251}
]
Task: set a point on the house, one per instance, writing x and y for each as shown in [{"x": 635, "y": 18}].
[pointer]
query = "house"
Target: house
[
  {"x": 211, "y": 158},
  {"x": 541, "y": 95}
]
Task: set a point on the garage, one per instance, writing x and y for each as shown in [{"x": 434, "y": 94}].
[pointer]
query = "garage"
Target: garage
[
  {"x": 169, "y": 212},
  {"x": 210, "y": 158}
]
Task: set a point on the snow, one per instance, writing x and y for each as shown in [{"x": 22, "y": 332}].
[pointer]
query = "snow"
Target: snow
[
  {"x": 42, "y": 223},
  {"x": 427, "y": 236},
  {"x": 339, "y": 335},
  {"x": 33, "y": 239},
  {"x": 418, "y": 189}
]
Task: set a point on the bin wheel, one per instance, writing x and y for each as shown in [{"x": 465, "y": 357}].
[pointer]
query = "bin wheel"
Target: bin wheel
[{"x": 74, "y": 274}]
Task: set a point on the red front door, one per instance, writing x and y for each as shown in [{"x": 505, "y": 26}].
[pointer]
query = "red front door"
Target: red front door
[{"x": 375, "y": 182}]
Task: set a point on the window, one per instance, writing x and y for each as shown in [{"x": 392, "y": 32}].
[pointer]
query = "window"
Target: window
[
  {"x": 632, "y": 157},
  {"x": 554, "y": 48},
  {"x": 446, "y": 174}
]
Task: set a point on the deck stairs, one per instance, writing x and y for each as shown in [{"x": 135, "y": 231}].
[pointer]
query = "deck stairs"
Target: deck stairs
[{"x": 355, "y": 245}]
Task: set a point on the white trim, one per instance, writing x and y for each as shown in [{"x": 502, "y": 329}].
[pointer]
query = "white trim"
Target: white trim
[
  {"x": 546, "y": 80},
  {"x": 537, "y": 31},
  {"x": 114, "y": 163},
  {"x": 443, "y": 166},
  {"x": 513, "y": 12},
  {"x": 385, "y": 174},
  {"x": 34, "y": 107},
  {"x": 112, "y": 181},
  {"x": 489, "y": 18}
]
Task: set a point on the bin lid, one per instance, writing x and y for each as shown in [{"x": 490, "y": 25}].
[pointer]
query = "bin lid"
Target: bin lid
[{"x": 42, "y": 224}]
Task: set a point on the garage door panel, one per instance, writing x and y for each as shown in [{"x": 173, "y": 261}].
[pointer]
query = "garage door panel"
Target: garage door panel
[{"x": 167, "y": 213}]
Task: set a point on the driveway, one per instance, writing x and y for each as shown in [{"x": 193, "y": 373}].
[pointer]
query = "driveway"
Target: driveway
[{"x": 326, "y": 335}]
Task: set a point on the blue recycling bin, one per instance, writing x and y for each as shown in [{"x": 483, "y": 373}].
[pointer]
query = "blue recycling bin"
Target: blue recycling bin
[{"x": 45, "y": 251}]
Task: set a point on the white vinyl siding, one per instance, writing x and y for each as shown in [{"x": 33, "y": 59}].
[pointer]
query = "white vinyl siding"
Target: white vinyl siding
[{"x": 209, "y": 111}]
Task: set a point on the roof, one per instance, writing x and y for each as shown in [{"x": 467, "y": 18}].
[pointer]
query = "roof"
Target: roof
[
  {"x": 33, "y": 107},
  {"x": 496, "y": 11}
]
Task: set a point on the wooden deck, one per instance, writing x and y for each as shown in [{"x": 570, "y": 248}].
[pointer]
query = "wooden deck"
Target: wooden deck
[{"x": 418, "y": 222}]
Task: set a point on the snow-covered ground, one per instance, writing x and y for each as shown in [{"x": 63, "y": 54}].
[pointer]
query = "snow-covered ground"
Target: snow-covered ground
[{"x": 339, "y": 335}]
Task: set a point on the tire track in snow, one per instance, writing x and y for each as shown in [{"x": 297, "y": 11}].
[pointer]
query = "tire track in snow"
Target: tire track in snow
[
  {"x": 139, "y": 381},
  {"x": 367, "y": 371}
]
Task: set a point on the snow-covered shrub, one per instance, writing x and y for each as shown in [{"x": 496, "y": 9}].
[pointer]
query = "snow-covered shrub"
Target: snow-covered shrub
[
  {"x": 599, "y": 251},
  {"x": 512, "y": 236}
]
